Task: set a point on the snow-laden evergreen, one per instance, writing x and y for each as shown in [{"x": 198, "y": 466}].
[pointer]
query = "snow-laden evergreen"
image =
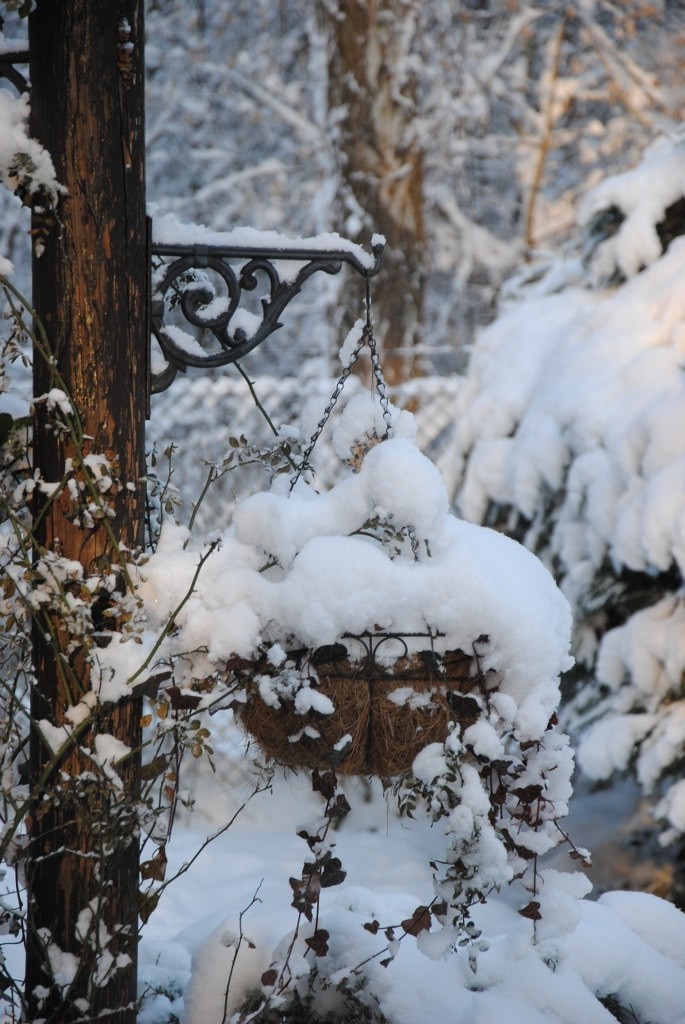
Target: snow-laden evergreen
[{"x": 570, "y": 430}]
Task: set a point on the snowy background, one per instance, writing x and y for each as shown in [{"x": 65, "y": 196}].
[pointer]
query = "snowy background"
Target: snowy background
[{"x": 553, "y": 199}]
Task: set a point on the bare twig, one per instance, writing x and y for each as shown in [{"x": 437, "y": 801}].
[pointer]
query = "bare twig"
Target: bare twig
[{"x": 547, "y": 132}]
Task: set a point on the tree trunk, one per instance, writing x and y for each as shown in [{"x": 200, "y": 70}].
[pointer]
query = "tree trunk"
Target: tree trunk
[
  {"x": 372, "y": 93},
  {"x": 89, "y": 292}
]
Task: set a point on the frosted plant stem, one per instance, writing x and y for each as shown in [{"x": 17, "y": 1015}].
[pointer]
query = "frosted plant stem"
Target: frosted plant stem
[
  {"x": 257, "y": 402},
  {"x": 241, "y": 939}
]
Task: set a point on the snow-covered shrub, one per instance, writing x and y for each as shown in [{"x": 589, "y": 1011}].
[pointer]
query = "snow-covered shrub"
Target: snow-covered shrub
[{"x": 570, "y": 432}]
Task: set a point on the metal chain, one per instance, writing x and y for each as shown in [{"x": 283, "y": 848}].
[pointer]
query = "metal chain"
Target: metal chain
[
  {"x": 327, "y": 412},
  {"x": 381, "y": 386},
  {"x": 367, "y": 338}
]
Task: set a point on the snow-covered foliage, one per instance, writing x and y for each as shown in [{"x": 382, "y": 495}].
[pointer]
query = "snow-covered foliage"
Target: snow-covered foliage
[
  {"x": 570, "y": 427},
  {"x": 619, "y": 958},
  {"x": 26, "y": 169}
]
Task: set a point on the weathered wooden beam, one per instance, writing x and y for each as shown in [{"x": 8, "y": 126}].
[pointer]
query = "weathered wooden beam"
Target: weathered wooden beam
[{"x": 89, "y": 291}]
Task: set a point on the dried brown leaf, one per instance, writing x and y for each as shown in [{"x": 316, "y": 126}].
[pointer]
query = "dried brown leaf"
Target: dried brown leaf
[
  {"x": 531, "y": 911},
  {"x": 420, "y": 921},
  {"x": 318, "y": 942}
]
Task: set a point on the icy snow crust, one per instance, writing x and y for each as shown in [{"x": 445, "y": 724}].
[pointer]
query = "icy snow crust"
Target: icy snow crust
[{"x": 573, "y": 415}]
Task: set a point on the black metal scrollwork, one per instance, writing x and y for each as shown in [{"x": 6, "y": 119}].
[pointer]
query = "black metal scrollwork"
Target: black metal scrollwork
[
  {"x": 371, "y": 649},
  {"x": 202, "y": 287},
  {"x": 9, "y": 58}
]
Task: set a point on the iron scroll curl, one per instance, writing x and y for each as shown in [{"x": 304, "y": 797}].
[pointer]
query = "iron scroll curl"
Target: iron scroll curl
[{"x": 202, "y": 287}]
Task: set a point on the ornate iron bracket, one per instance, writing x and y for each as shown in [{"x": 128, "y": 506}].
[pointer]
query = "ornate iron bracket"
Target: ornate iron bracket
[
  {"x": 8, "y": 59},
  {"x": 202, "y": 287}
]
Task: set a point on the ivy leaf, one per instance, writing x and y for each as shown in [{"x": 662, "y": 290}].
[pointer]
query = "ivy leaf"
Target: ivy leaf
[
  {"x": 155, "y": 868},
  {"x": 318, "y": 942},
  {"x": 182, "y": 701},
  {"x": 147, "y": 904},
  {"x": 324, "y": 783},
  {"x": 372, "y": 926},
  {"x": 585, "y": 862},
  {"x": 431, "y": 661},
  {"x": 236, "y": 664},
  {"x": 527, "y": 794},
  {"x": 340, "y": 808},
  {"x": 305, "y": 894},
  {"x": 270, "y": 977},
  {"x": 531, "y": 911},
  {"x": 332, "y": 873},
  {"x": 328, "y": 654},
  {"x": 510, "y": 845},
  {"x": 465, "y": 709},
  {"x": 420, "y": 921},
  {"x": 154, "y": 768},
  {"x": 498, "y": 798}
]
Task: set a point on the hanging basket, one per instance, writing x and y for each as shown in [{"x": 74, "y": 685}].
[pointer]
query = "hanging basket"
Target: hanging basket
[
  {"x": 357, "y": 710},
  {"x": 366, "y": 706}
]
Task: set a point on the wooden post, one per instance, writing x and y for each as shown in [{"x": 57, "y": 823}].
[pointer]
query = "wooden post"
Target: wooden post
[{"x": 89, "y": 291}]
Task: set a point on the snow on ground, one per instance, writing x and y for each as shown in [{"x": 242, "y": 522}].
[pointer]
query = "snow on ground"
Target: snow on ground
[{"x": 627, "y": 945}]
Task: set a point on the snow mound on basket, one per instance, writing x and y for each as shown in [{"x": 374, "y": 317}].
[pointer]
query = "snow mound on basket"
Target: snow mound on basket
[{"x": 379, "y": 551}]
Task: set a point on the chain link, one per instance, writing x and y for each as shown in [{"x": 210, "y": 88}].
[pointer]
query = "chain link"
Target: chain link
[
  {"x": 367, "y": 338},
  {"x": 381, "y": 386}
]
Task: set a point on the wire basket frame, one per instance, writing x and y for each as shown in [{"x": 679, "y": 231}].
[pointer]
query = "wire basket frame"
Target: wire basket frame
[{"x": 387, "y": 701}]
